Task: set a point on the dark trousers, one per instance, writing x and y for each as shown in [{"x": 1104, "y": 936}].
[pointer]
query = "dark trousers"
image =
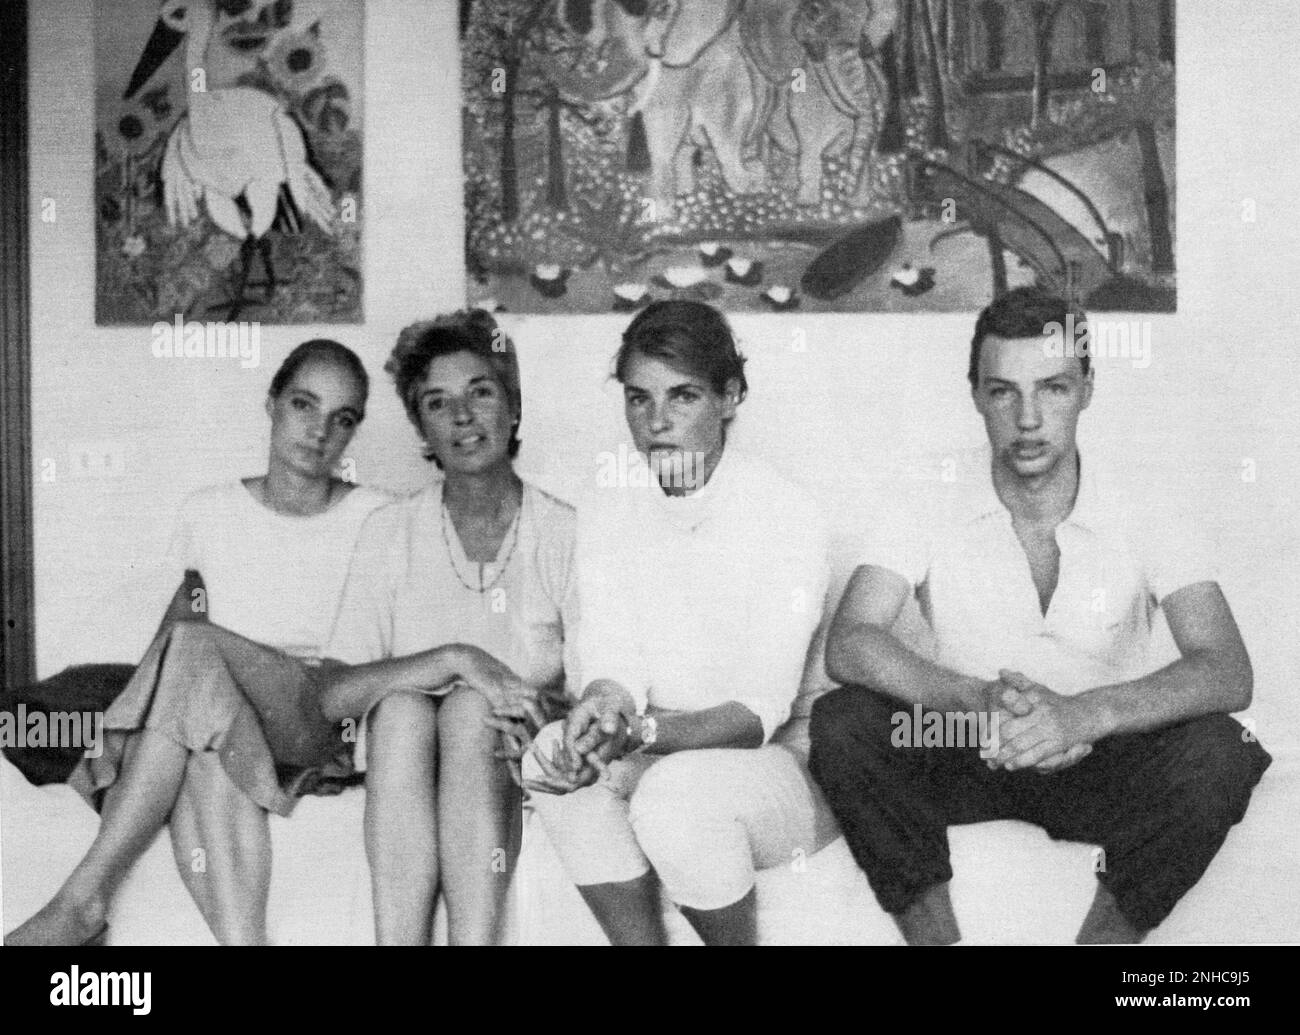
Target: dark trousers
[{"x": 1159, "y": 803}]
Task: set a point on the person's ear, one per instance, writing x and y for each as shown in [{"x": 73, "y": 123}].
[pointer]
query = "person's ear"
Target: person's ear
[
  {"x": 1088, "y": 384},
  {"x": 730, "y": 398},
  {"x": 270, "y": 405}
]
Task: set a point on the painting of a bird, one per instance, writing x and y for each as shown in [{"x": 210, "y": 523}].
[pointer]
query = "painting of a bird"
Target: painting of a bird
[{"x": 236, "y": 153}]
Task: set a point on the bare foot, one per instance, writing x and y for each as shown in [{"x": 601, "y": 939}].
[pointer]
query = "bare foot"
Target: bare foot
[{"x": 61, "y": 922}]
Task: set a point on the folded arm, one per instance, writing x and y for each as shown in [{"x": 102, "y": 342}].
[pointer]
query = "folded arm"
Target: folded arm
[
  {"x": 352, "y": 691},
  {"x": 860, "y": 649}
]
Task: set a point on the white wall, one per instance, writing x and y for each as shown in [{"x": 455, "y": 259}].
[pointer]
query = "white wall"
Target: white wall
[{"x": 868, "y": 394}]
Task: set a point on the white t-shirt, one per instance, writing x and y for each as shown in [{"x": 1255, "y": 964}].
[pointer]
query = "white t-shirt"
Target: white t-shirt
[
  {"x": 274, "y": 578},
  {"x": 690, "y": 602},
  {"x": 1119, "y": 559}
]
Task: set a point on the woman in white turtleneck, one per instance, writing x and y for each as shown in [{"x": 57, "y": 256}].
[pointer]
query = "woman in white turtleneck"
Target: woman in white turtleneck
[{"x": 701, "y": 588}]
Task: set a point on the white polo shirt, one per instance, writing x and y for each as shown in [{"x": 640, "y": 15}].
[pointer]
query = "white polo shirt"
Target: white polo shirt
[{"x": 1119, "y": 560}]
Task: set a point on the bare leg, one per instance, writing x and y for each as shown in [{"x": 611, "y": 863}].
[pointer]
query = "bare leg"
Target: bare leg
[
  {"x": 930, "y": 919},
  {"x": 1105, "y": 924},
  {"x": 135, "y": 809},
  {"x": 401, "y": 817},
  {"x": 479, "y": 820},
  {"x": 222, "y": 844},
  {"x": 628, "y": 911},
  {"x": 736, "y": 924}
]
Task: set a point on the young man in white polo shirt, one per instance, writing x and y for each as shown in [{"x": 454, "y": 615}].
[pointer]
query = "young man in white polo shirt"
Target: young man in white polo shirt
[{"x": 1041, "y": 584}]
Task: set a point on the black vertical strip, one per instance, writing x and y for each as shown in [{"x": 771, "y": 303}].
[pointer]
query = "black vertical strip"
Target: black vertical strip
[
  {"x": 1167, "y": 30},
  {"x": 999, "y": 261},
  {"x": 17, "y": 613},
  {"x": 1157, "y": 199},
  {"x": 995, "y": 27}
]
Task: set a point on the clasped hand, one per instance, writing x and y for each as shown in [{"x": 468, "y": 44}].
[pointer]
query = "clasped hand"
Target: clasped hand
[
  {"x": 1037, "y": 728},
  {"x": 595, "y": 734},
  {"x": 516, "y": 712}
]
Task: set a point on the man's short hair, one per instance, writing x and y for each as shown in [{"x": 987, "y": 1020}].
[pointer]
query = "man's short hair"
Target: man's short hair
[{"x": 1023, "y": 312}]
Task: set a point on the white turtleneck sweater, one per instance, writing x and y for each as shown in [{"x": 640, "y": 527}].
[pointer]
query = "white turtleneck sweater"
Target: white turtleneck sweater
[{"x": 690, "y": 602}]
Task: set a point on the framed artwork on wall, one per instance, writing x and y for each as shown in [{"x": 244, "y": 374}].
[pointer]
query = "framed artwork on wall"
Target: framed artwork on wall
[
  {"x": 228, "y": 154},
  {"x": 825, "y": 155}
]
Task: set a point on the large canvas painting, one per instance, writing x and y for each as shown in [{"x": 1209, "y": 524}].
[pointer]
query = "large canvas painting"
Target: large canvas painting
[
  {"x": 823, "y": 155},
  {"x": 228, "y": 161}
]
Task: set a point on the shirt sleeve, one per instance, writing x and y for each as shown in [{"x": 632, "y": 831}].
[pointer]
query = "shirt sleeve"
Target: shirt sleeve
[
  {"x": 610, "y": 645},
  {"x": 785, "y": 610},
  {"x": 363, "y": 627}
]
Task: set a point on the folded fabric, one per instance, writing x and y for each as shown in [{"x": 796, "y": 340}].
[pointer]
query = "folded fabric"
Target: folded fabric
[{"x": 79, "y": 688}]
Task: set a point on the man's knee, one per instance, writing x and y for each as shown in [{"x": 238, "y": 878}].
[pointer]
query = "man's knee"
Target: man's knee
[
  {"x": 1208, "y": 767},
  {"x": 850, "y": 718},
  {"x": 1226, "y": 761}
]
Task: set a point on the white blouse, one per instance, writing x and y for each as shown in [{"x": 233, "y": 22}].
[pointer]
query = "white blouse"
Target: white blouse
[
  {"x": 274, "y": 578},
  {"x": 411, "y": 588},
  {"x": 690, "y": 602}
]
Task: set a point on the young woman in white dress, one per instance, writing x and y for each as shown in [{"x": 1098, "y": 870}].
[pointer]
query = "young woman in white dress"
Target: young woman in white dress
[{"x": 221, "y": 722}]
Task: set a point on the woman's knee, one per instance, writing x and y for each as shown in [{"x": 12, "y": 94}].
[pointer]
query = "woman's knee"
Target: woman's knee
[
  {"x": 463, "y": 718},
  {"x": 186, "y": 637},
  {"x": 399, "y": 723},
  {"x": 690, "y": 828},
  {"x": 678, "y": 793},
  {"x": 405, "y": 707}
]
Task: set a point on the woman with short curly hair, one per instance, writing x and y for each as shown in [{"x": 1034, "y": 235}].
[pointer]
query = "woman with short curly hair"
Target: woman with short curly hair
[{"x": 456, "y": 617}]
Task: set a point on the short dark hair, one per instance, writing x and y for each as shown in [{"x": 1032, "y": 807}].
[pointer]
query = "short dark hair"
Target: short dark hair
[
  {"x": 692, "y": 337},
  {"x": 320, "y": 348},
  {"x": 467, "y": 330},
  {"x": 1023, "y": 312}
]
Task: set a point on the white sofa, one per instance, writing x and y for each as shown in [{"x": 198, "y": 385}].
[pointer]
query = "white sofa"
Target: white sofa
[{"x": 1012, "y": 884}]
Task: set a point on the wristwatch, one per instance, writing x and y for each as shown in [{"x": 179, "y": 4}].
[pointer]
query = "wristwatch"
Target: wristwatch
[{"x": 645, "y": 733}]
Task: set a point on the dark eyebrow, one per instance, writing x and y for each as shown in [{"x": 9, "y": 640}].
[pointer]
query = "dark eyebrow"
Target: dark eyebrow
[
  {"x": 472, "y": 381},
  {"x": 303, "y": 391},
  {"x": 692, "y": 385}
]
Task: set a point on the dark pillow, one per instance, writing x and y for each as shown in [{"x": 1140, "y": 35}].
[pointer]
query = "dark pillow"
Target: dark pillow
[{"x": 80, "y": 688}]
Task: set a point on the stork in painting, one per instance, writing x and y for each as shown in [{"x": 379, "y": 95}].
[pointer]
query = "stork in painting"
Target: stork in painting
[{"x": 236, "y": 149}]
